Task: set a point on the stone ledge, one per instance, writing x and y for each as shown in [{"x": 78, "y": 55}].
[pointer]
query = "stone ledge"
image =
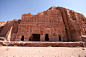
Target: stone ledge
[{"x": 43, "y": 44}]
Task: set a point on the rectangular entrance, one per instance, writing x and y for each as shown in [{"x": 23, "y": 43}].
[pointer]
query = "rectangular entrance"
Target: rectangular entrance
[
  {"x": 36, "y": 37},
  {"x": 59, "y": 38},
  {"x": 22, "y": 39},
  {"x": 46, "y": 37}
]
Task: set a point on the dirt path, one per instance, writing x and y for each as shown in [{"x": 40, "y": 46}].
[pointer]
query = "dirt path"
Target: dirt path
[{"x": 42, "y": 51}]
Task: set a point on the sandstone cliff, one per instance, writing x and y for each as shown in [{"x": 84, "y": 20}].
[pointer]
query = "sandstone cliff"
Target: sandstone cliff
[
  {"x": 2, "y": 24},
  {"x": 7, "y": 28},
  {"x": 75, "y": 24}
]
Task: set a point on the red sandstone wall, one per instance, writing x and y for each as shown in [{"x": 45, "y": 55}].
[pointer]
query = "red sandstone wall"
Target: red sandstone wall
[
  {"x": 48, "y": 22},
  {"x": 15, "y": 29},
  {"x": 2, "y": 24},
  {"x": 6, "y": 28},
  {"x": 74, "y": 23},
  {"x": 10, "y": 29},
  {"x": 82, "y": 23},
  {"x": 55, "y": 21}
]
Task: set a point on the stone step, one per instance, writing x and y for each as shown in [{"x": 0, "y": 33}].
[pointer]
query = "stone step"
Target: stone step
[{"x": 43, "y": 44}]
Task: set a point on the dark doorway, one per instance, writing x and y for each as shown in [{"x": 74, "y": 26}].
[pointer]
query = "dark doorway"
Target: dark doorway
[
  {"x": 29, "y": 39},
  {"x": 59, "y": 38},
  {"x": 46, "y": 37},
  {"x": 22, "y": 39},
  {"x": 36, "y": 37}
]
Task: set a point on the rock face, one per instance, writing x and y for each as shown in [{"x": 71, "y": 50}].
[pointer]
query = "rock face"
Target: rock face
[
  {"x": 55, "y": 24},
  {"x": 75, "y": 24},
  {"x": 2, "y": 24}
]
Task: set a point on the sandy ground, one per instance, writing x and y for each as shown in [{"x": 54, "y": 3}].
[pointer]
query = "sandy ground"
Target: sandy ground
[{"x": 15, "y": 51}]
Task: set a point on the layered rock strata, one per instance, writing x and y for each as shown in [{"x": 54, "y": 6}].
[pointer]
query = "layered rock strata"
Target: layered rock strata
[{"x": 55, "y": 24}]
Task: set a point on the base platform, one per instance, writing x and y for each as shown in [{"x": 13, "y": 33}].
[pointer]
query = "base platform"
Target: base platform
[{"x": 42, "y": 44}]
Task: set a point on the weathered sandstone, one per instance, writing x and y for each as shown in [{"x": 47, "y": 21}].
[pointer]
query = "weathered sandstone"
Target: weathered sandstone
[{"x": 55, "y": 24}]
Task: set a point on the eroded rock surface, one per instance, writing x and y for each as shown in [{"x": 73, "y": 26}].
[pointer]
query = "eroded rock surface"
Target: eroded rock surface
[{"x": 54, "y": 24}]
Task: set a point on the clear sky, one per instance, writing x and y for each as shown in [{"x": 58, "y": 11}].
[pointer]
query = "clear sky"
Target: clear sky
[{"x": 13, "y": 9}]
